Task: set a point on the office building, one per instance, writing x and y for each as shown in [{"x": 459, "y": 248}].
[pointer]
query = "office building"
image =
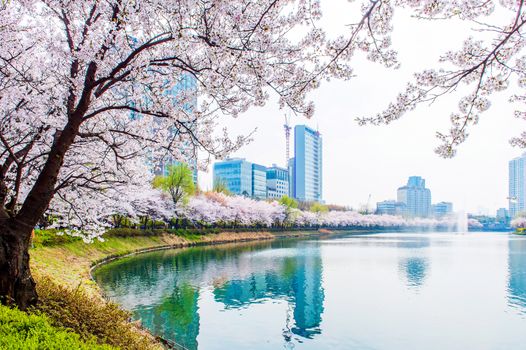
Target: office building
[
  {"x": 236, "y": 175},
  {"x": 390, "y": 207},
  {"x": 517, "y": 182},
  {"x": 242, "y": 177},
  {"x": 259, "y": 181},
  {"x": 416, "y": 197},
  {"x": 442, "y": 209},
  {"x": 277, "y": 182},
  {"x": 307, "y": 180}
]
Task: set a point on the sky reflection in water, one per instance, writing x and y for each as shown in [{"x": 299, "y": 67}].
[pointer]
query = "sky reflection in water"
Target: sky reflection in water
[{"x": 380, "y": 291}]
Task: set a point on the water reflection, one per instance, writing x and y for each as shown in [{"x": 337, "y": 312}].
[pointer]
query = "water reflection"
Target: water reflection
[
  {"x": 415, "y": 269},
  {"x": 517, "y": 273},
  {"x": 163, "y": 288},
  {"x": 380, "y": 291},
  {"x": 298, "y": 281},
  {"x": 414, "y": 263}
]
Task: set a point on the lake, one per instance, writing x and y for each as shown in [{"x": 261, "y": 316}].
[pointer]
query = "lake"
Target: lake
[{"x": 367, "y": 291}]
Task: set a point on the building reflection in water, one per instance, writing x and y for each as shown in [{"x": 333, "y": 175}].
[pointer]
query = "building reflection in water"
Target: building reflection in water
[
  {"x": 517, "y": 273},
  {"x": 298, "y": 281},
  {"x": 162, "y": 289},
  {"x": 414, "y": 265}
]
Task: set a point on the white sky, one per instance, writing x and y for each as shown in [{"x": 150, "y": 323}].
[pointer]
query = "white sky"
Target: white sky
[{"x": 358, "y": 161}]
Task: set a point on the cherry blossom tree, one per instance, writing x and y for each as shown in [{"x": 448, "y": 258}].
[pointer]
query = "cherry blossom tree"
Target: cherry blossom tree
[
  {"x": 519, "y": 222},
  {"x": 85, "y": 99},
  {"x": 491, "y": 59}
]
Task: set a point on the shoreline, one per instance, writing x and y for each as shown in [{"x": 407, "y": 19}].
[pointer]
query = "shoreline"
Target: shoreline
[
  {"x": 259, "y": 236},
  {"x": 71, "y": 265}
]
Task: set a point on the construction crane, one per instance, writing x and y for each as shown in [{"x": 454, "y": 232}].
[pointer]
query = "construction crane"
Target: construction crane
[{"x": 287, "y": 139}]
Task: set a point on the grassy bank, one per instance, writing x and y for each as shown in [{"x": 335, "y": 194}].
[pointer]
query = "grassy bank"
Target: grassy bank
[
  {"x": 69, "y": 264},
  {"x": 70, "y": 300}
]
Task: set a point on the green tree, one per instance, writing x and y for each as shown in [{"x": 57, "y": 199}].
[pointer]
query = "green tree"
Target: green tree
[
  {"x": 179, "y": 183},
  {"x": 318, "y": 208},
  {"x": 288, "y": 202},
  {"x": 290, "y": 205}
]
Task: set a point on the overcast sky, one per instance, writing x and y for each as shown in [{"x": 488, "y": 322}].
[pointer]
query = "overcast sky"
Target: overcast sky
[{"x": 358, "y": 161}]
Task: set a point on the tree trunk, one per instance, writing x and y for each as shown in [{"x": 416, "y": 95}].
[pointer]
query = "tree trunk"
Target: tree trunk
[{"x": 17, "y": 286}]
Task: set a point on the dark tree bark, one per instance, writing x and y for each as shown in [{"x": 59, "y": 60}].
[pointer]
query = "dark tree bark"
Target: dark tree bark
[{"x": 17, "y": 286}]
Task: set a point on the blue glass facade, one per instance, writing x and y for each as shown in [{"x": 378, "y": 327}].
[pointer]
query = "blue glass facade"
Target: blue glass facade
[
  {"x": 307, "y": 164},
  {"x": 517, "y": 181},
  {"x": 277, "y": 182},
  {"x": 390, "y": 207},
  {"x": 259, "y": 181},
  {"x": 416, "y": 197},
  {"x": 442, "y": 209},
  {"x": 236, "y": 174}
]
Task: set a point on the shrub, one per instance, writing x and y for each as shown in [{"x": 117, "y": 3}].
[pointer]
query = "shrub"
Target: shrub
[
  {"x": 131, "y": 232},
  {"x": 183, "y": 232},
  {"x": 19, "y": 330},
  {"x": 90, "y": 317},
  {"x": 52, "y": 237}
]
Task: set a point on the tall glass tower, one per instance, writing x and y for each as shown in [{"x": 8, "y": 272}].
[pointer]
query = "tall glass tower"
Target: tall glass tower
[
  {"x": 416, "y": 197},
  {"x": 517, "y": 181},
  {"x": 307, "y": 172}
]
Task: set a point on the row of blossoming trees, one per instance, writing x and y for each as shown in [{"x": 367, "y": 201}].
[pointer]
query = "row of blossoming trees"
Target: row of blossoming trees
[{"x": 218, "y": 210}]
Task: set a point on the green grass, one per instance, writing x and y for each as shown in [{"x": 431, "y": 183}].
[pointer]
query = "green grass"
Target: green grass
[
  {"x": 20, "y": 330},
  {"x": 52, "y": 237},
  {"x": 78, "y": 256}
]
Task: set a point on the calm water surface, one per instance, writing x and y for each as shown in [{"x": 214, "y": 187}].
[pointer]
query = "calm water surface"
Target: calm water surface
[{"x": 378, "y": 291}]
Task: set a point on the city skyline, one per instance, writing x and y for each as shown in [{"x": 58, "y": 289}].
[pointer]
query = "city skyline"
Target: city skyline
[
  {"x": 359, "y": 161},
  {"x": 206, "y": 183}
]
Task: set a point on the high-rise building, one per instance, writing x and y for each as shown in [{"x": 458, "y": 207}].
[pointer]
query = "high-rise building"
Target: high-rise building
[
  {"x": 259, "y": 181},
  {"x": 416, "y": 197},
  {"x": 442, "y": 209},
  {"x": 517, "y": 182},
  {"x": 277, "y": 182},
  {"x": 236, "y": 174},
  {"x": 307, "y": 171}
]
